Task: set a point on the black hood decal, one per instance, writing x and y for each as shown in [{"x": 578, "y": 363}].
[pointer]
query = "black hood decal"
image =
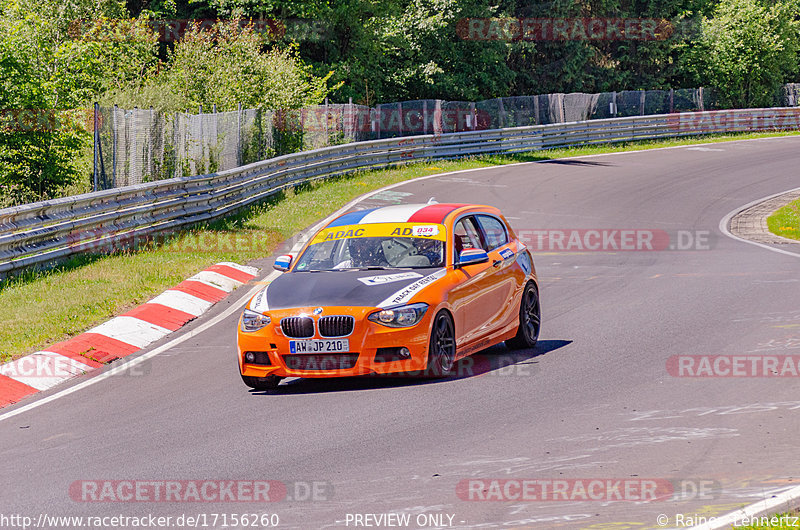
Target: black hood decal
[{"x": 357, "y": 288}]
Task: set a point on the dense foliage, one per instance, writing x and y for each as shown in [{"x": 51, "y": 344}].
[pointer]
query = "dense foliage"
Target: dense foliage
[{"x": 66, "y": 54}]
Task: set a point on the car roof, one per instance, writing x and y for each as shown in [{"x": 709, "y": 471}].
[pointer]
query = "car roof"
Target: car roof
[{"x": 400, "y": 213}]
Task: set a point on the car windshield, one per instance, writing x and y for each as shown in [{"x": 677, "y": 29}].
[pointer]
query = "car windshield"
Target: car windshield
[{"x": 378, "y": 246}]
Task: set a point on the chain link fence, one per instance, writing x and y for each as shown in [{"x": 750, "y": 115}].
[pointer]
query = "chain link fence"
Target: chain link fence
[{"x": 142, "y": 145}]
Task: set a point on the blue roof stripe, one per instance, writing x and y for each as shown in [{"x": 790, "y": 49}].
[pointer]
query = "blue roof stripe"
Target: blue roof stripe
[{"x": 352, "y": 218}]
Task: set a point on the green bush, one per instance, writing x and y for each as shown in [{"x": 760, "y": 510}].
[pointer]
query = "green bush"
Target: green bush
[{"x": 746, "y": 51}]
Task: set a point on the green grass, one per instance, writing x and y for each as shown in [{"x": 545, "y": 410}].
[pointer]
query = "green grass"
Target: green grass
[
  {"x": 786, "y": 221},
  {"x": 41, "y": 308}
]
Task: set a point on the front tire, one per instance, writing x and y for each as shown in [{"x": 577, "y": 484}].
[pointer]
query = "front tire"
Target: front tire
[
  {"x": 442, "y": 346},
  {"x": 529, "y": 320},
  {"x": 262, "y": 383}
]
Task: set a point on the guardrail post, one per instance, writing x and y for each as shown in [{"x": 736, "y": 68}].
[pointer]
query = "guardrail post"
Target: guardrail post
[
  {"x": 96, "y": 175},
  {"x": 239, "y": 134},
  {"x": 700, "y": 98},
  {"x": 114, "y": 147}
]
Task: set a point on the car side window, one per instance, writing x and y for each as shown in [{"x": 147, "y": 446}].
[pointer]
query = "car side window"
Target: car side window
[
  {"x": 465, "y": 236},
  {"x": 494, "y": 230}
]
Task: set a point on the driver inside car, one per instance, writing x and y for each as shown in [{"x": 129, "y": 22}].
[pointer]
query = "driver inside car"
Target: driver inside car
[
  {"x": 364, "y": 252},
  {"x": 430, "y": 249}
]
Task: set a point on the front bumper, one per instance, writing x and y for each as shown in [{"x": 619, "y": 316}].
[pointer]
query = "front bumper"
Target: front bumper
[{"x": 366, "y": 342}]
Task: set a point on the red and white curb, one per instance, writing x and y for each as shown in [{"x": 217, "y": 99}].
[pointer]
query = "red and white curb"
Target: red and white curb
[{"x": 122, "y": 335}]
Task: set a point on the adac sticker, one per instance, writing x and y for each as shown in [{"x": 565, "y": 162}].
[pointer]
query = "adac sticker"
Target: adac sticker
[
  {"x": 506, "y": 253},
  {"x": 389, "y": 278},
  {"x": 433, "y": 231}
]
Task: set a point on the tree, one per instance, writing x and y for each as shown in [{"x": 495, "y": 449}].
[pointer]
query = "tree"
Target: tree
[
  {"x": 226, "y": 65},
  {"x": 409, "y": 49},
  {"x": 746, "y": 51},
  {"x": 52, "y": 65}
]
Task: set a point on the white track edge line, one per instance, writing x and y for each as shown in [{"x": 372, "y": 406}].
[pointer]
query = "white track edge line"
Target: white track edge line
[
  {"x": 723, "y": 224},
  {"x": 750, "y": 511},
  {"x": 794, "y": 493},
  {"x": 203, "y": 327},
  {"x": 298, "y": 245}
]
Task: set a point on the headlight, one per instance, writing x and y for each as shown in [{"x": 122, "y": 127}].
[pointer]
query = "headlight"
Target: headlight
[
  {"x": 400, "y": 317},
  {"x": 253, "y": 321}
]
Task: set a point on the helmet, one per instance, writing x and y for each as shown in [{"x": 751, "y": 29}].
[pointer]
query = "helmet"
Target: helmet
[{"x": 365, "y": 251}]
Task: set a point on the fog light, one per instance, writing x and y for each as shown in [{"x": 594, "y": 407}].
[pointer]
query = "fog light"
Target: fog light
[
  {"x": 257, "y": 357},
  {"x": 387, "y": 355}
]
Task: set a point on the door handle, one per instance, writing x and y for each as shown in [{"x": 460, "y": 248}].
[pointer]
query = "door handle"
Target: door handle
[{"x": 497, "y": 263}]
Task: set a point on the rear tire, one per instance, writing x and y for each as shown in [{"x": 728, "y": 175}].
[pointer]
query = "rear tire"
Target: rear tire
[
  {"x": 262, "y": 383},
  {"x": 442, "y": 347},
  {"x": 529, "y": 320}
]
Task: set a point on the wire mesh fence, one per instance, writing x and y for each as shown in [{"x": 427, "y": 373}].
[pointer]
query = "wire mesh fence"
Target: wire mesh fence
[{"x": 142, "y": 145}]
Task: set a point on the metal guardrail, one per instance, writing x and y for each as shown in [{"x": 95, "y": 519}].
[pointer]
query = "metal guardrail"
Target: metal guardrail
[{"x": 47, "y": 232}]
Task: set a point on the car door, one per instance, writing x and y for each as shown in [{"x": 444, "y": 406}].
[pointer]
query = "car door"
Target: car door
[
  {"x": 502, "y": 278},
  {"x": 471, "y": 299}
]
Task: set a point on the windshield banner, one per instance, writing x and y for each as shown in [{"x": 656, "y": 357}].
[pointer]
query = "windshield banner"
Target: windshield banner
[{"x": 422, "y": 230}]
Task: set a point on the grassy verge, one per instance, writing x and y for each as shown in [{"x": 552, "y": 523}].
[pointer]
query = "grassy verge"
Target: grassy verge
[
  {"x": 785, "y": 221},
  {"x": 42, "y": 308}
]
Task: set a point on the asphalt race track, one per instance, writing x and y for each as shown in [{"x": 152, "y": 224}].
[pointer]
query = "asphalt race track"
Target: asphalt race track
[{"x": 594, "y": 400}]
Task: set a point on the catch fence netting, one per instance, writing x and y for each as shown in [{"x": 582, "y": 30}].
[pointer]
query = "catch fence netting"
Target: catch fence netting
[{"x": 142, "y": 145}]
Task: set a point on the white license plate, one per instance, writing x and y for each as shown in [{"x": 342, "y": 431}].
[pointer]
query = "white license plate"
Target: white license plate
[{"x": 319, "y": 346}]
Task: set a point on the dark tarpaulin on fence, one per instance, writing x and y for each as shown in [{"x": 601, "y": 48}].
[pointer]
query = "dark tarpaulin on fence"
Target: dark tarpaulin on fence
[{"x": 141, "y": 145}]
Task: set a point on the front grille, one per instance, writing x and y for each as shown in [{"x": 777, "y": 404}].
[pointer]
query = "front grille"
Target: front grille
[
  {"x": 298, "y": 327},
  {"x": 312, "y": 363},
  {"x": 336, "y": 326}
]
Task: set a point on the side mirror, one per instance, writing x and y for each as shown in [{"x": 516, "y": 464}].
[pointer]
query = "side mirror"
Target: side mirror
[
  {"x": 282, "y": 263},
  {"x": 471, "y": 256}
]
